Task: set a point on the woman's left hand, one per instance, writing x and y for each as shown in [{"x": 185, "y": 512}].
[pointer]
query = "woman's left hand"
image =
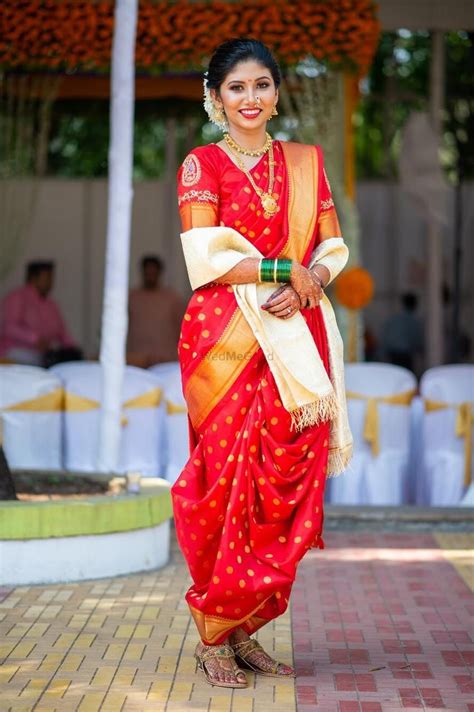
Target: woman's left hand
[{"x": 283, "y": 303}]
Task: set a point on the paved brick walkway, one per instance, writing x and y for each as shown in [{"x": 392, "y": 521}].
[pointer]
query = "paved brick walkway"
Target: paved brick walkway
[
  {"x": 384, "y": 622},
  {"x": 380, "y": 622}
]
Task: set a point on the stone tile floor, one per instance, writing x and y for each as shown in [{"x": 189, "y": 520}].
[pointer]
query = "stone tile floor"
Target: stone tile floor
[{"x": 378, "y": 622}]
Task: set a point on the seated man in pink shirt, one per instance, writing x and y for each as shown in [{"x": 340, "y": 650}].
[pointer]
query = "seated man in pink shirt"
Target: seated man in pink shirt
[
  {"x": 32, "y": 330},
  {"x": 155, "y": 314}
]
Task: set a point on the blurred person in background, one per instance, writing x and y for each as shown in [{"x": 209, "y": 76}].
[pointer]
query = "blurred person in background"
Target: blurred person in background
[
  {"x": 402, "y": 337},
  {"x": 32, "y": 329},
  {"x": 154, "y": 318}
]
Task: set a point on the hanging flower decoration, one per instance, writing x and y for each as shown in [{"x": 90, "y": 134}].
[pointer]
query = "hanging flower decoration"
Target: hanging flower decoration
[
  {"x": 354, "y": 288},
  {"x": 77, "y": 34}
]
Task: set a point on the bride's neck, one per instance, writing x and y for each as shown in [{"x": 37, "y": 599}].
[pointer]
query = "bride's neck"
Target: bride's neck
[{"x": 252, "y": 140}]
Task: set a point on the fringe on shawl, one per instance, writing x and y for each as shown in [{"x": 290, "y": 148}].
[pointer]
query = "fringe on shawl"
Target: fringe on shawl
[
  {"x": 314, "y": 413},
  {"x": 338, "y": 460}
]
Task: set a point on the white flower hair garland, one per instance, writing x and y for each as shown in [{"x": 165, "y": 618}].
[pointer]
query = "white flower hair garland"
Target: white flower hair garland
[{"x": 217, "y": 117}]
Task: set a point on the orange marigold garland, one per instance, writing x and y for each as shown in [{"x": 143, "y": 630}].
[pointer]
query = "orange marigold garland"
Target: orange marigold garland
[{"x": 72, "y": 34}]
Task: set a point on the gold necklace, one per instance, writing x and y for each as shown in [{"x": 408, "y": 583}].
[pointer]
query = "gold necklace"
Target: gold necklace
[
  {"x": 233, "y": 145},
  {"x": 269, "y": 204}
]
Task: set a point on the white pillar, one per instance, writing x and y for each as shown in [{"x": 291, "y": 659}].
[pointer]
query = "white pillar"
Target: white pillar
[
  {"x": 114, "y": 315},
  {"x": 434, "y": 341}
]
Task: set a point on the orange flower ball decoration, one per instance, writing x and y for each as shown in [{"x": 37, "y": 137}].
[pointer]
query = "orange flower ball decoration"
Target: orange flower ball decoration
[{"x": 355, "y": 288}]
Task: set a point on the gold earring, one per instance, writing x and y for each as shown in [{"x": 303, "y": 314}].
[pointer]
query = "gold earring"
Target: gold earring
[
  {"x": 274, "y": 112},
  {"x": 219, "y": 117}
]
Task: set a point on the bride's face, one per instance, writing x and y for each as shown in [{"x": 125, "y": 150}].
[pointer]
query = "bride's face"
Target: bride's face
[{"x": 248, "y": 95}]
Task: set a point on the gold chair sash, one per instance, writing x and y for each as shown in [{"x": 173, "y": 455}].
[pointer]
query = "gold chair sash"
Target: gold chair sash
[
  {"x": 75, "y": 403},
  {"x": 59, "y": 400},
  {"x": 372, "y": 419},
  {"x": 463, "y": 428},
  {"x": 150, "y": 399},
  {"x": 54, "y": 400},
  {"x": 175, "y": 408}
]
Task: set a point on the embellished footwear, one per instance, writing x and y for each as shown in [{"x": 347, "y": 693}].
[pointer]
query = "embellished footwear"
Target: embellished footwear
[
  {"x": 208, "y": 653},
  {"x": 246, "y": 653}
]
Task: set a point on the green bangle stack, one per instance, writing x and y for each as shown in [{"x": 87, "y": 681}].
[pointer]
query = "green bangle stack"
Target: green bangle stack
[
  {"x": 266, "y": 271},
  {"x": 274, "y": 270},
  {"x": 283, "y": 270}
]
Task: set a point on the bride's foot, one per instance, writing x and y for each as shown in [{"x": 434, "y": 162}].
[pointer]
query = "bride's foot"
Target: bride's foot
[
  {"x": 219, "y": 666},
  {"x": 249, "y": 653}
]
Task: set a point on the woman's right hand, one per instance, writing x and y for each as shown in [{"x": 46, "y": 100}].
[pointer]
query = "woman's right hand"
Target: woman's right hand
[{"x": 306, "y": 284}]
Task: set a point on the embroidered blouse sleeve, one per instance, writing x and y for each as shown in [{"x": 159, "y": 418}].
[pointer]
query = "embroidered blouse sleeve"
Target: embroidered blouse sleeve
[
  {"x": 328, "y": 224},
  {"x": 198, "y": 191}
]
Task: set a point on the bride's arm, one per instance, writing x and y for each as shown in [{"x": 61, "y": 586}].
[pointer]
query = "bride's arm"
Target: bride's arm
[{"x": 244, "y": 272}]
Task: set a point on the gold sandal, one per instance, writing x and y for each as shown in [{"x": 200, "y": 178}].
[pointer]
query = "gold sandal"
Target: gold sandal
[
  {"x": 218, "y": 651},
  {"x": 246, "y": 647}
]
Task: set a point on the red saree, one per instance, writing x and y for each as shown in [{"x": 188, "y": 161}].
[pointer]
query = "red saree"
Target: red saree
[{"x": 249, "y": 501}]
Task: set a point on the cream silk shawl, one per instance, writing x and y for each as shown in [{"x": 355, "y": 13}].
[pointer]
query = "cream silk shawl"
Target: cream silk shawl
[{"x": 304, "y": 386}]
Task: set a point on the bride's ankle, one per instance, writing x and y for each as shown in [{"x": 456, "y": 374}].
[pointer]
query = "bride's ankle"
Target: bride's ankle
[{"x": 238, "y": 636}]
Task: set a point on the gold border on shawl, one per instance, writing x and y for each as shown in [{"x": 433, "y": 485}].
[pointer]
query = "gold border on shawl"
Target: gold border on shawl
[
  {"x": 302, "y": 167},
  {"x": 218, "y": 369},
  {"x": 197, "y": 215},
  {"x": 329, "y": 225},
  {"x": 210, "y": 628}
]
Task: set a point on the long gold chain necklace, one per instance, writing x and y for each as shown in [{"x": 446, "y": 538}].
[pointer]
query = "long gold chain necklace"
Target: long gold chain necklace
[
  {"x": 269, "y": 204},
  {"x": 254, "y": 152}
]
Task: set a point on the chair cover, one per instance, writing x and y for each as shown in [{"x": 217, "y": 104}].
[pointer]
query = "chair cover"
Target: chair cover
[
  {"x": 142, "y": 418},
  {"x": 448, "y": 398},
  {"x": 380, "y": 394},
  {"x": 30, "y": 407},
  {"x": 176, "y": 424}
]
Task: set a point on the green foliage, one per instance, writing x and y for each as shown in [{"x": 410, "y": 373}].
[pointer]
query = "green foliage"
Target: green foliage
[
  {"x": 79, "y": 139},
  {"x": 397, "y": 84},
  {"x": 80, "y": 136}
]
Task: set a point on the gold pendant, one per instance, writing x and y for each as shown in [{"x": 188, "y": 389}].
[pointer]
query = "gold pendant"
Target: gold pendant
[{"x": 269, "y": 204}]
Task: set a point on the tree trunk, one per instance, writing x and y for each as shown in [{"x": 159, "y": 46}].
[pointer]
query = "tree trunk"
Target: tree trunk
[{"x": 114, "y": 316}]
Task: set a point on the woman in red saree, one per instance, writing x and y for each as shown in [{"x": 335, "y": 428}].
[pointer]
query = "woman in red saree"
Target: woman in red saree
[{"x": 249, "y": 501}]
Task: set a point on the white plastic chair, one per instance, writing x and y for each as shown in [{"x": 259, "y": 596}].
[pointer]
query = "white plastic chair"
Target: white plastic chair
[
  {"x": 142, "y": 418},
  {"x": 448, "y": 398},
  {"x": 176, "y": 424},
  {"x": 376, "y": 478},
  {"x": 30, "y": 407}
]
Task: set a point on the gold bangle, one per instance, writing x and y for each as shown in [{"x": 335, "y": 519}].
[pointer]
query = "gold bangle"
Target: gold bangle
[
  {"x": 275, "y": 270},
  {"x": 320, "y": 279}
]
